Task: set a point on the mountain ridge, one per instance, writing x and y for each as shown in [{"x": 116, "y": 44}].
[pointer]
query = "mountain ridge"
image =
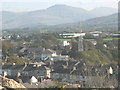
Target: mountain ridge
[{"x": 54, "y": 15}]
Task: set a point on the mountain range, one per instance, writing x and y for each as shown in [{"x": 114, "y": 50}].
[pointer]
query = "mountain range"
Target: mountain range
[
  {"x": 105, "y": 23},
  {"x": 54, "y": 15}
]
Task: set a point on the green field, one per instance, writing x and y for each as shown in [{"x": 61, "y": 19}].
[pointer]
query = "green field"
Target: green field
[
  {"x": 110, "y": 38},
  {"x": 106, "y": 39},
  {"x": 64, "y": 39}
]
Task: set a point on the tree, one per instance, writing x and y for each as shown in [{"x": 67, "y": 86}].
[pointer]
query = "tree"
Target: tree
[
  {"x": 88, "y": 45},
  {"x": 14, "y": 59},
  {"x": 7, "y": 47},
  {"x": 99, "y": 44}
]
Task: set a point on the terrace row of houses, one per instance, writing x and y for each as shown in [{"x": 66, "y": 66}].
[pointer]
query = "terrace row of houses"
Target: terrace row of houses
[
  {"x": 39, "y": 54},
  {"x": 38, "y": 69},
  {"x": 73, "y": 71}
]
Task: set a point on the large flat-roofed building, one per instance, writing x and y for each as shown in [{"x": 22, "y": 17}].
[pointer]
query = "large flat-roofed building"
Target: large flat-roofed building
[
  {"x": 96, "y": 33},
  {"x": 71, "y": 35}
]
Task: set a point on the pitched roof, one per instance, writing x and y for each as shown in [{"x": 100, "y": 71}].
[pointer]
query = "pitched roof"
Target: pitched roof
[
  {"x": 77, "y": 72},
  {"x": 31, "y": 67},
  {"x": 17, "y": 67},
  {"x": 48, "y": 51},
  {"x": 43, "y": 68},
  {"x": 61, "y": 70},
  {"x": 6, "y": 66},
  {"x": 35, "y": 50},
  {"x": 39, "y": 63},
  {"x": 12, "y": 67}
]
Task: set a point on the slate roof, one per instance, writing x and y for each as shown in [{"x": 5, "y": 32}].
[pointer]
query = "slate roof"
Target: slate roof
[
  {"x": 39, "y": 63},
  {"x": 35, "y": 50},
  {"x": 13, "y": 67},
  {"x": 23, "y": 78},
  {"x": 32, "y": 67},
  {"x": 70, "y": 64},
  {"x": 29, "y": 67},
  {"x": 17, "y": 67},
  {"x": 48, "y": 51},
  {"x": 6, "y": 66},
  {"x": 77, "y": 72},
  {"x": 43, "y": 68},
  {"x": 62, "y": 71}
]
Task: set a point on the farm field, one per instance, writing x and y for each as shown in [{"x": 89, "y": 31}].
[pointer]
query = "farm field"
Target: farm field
[{"x": 105, "y": 39}]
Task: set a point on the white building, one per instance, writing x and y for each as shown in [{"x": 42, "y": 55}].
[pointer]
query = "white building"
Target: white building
[
  {"x": 96, "y": 33},
  {"x": 33, "y": 79},
  {"x": 110, "y": 71},
  {"x": 71, "y": 35},
  {"x": 60, "y": 58},
  {"x": 105, "y": 45},
  {"x": 94, "y": 42},
  {"x": 47, "y": 54},
  {"x": 65, "y": 43}
]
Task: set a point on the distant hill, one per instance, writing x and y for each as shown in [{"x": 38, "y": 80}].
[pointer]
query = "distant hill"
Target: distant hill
[
  {"x": 103, "y": 11},
  {"x": 54, "y": 15},
  {"x": 105, "y": 23}
]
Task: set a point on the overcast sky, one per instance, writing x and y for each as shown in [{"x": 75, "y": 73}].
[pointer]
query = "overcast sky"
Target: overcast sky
[{"x": 30, "y": 5}]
